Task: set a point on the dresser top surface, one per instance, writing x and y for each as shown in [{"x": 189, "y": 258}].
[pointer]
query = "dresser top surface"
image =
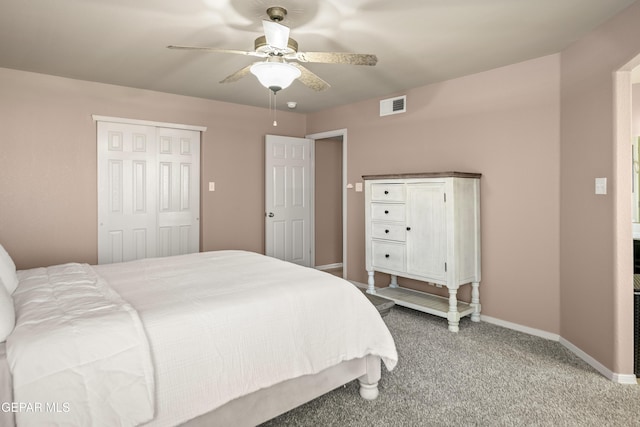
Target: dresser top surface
[{"x": 425, "y": 175}]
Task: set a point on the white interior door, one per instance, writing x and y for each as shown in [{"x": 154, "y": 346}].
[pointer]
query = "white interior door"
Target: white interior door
[
  {"x": 288, "y": 203},
  {"x": 148, "y": 191},
  {"x": 178, "y": 191}
]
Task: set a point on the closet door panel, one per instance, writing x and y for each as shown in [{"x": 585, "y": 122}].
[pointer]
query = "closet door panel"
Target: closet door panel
[
  {"x": 126, "y": 194},
  {"x": 179, "y": 210}
]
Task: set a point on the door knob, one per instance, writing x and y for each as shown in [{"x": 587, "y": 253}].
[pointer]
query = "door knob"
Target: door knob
[{"x": 271, "y": 215}]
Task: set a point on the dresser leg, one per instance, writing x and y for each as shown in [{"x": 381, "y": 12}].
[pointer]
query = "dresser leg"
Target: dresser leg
[
  {"x": 371, "y": 282},
  {"x": 394, "y": 282},
  {"x": 475, "y": 301},
  {"x": 453, "y": 315}
]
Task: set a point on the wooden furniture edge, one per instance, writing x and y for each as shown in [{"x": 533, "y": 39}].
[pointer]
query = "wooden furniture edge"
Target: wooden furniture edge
[{"x": 453, "y": 174}]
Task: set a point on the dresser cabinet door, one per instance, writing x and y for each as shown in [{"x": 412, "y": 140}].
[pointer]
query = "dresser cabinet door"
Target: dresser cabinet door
[{"x": 426, "y": 236}]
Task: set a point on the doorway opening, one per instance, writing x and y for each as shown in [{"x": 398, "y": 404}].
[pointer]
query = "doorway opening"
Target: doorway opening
[{"x": 330, "y": 205}]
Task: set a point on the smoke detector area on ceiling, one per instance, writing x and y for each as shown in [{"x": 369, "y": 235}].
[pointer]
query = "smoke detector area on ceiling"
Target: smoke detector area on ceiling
[{"x": 393, "y": 105}]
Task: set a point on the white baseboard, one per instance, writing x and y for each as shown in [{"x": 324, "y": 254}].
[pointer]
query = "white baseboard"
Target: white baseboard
[
  {"x": 613, "y": 376},
  {"x": 328, "y": 266},
  {"x": 520, "y": 328}
]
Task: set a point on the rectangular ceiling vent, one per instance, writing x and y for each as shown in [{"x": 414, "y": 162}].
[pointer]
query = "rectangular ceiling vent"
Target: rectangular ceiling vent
[{"x": 393, "y": 105}]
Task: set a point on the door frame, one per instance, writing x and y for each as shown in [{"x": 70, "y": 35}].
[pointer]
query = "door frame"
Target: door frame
[
  {"x": 314, "y": 137},
  {"x": 623, "y": 229}
]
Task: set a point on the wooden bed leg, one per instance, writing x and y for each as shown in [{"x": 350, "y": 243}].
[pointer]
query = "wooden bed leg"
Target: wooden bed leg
[
  {"x": 369, "y": 381},
  {"x": 368, "y": 391}
]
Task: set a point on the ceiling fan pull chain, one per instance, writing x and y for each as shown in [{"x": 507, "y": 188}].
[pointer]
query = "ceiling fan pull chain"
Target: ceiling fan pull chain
[{"x": 275, "y": 108}]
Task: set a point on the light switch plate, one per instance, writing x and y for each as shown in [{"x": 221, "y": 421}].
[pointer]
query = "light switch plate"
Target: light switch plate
[
  {"x": 358, "y": 186},
  {"x": 212, "y": 186},
  {"x": 601, "y": 185}
]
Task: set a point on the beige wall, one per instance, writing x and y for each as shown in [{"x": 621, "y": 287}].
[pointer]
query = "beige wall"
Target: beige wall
[
  {"x": 504, "y": 124},
  {"x": 595, "y": 240},
  {"x": 328, "y": 201},
  {"x": 48, "y": 208}
]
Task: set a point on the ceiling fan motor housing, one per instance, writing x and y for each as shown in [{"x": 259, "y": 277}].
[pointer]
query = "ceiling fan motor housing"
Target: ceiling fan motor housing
[{"x": 261, "y": 45}]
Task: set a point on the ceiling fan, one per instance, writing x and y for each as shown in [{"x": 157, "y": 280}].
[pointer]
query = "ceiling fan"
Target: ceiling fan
[{"x": 275, "y": 72}]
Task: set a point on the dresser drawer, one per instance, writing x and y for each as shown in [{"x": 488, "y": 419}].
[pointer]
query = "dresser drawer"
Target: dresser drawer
[
  {"x": 387, "y": 212},
  {"x": 387, "y": 256},
  {"x": 387, "y": 192},
  {"x": 381, "y": 230}
]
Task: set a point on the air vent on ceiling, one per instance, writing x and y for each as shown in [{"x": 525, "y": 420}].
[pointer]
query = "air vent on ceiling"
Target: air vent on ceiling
[{"x": 393, "y": 105}]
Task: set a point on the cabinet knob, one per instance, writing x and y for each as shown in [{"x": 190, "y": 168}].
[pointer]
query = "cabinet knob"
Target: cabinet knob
[
  {"x": 408, "y": 228},
  {"x": 386, "y": 231},
  {"x": 386, "y": 192},
  {"x": 386, "y": 255},
  {"x": 386, "y": 212}
]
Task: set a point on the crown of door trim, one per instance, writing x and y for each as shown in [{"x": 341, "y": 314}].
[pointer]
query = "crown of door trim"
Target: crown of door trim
[{"x": 98, "y": 118}]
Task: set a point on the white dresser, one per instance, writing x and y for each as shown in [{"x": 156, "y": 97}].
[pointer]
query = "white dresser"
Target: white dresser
[{"x": 425, "y": 226}]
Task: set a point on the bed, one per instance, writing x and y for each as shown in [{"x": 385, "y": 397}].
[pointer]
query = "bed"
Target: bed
[{"x": 214, "y": 338}]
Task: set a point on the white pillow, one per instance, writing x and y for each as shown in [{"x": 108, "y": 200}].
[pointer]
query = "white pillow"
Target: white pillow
[
  {"x": 7, "y": 271},
  {"x": 7, "y": 314}
]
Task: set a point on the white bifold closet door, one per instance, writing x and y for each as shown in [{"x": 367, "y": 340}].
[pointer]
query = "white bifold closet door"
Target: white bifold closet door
[{"x": 148, "y": 191}]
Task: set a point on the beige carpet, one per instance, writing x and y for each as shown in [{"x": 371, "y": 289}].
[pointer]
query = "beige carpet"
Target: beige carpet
[{"x": 485, "y": 375}]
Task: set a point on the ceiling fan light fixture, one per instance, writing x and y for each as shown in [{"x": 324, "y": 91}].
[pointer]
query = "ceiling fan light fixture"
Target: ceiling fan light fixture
[{"x": 275, "y": 75}]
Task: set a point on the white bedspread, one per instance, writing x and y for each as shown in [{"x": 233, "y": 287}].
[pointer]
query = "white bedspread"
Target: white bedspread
[
  {"x": 224, "y": 324},
  {"x": 78, "y": 355}
]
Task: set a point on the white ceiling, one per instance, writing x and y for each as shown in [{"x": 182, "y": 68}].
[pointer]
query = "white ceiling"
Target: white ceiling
[{"x": 417, "y": 42}]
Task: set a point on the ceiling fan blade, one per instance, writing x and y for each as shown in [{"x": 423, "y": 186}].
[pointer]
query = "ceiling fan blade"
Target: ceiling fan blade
[
  {"x": 310, "y": 79},
  {"x": 335, "y": 58},
  {"x": 277, "y": 35},
  {"x": 218, "y": 50},
  {"x": 237, "y": 75}
]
